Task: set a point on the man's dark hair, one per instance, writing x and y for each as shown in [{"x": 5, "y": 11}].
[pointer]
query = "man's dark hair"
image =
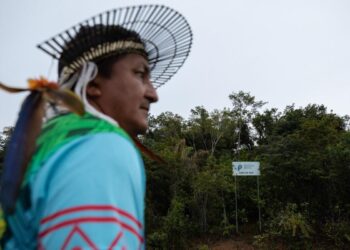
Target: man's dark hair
[{"x": 90, "y": 37}]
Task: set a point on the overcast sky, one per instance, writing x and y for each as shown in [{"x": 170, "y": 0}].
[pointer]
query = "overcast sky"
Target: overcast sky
[{"x": 282, "y": 52}]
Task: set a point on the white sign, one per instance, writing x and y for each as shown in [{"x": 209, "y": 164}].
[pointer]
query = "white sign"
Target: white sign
[{"x": 246, "y": 168}]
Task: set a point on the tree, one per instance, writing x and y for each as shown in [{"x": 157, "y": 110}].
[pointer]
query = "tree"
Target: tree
[
  {"x": 206, "y": 131},
  {"x": 297, "y": 162},
  {"x": 304, "y": 155},
  {"x": 264, "y": 124},
  {"x": 245, "y": 107}
]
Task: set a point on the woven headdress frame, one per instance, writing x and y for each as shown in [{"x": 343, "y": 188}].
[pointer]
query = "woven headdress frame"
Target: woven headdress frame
[{"x": 166, "y": 39}]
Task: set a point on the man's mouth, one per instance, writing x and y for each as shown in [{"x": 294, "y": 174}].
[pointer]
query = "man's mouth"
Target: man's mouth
[{"x": 145, "y": 108}]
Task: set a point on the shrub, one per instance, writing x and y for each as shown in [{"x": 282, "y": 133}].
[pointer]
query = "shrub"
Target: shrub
[
  {"x": 338, "y": 233},
  {"x": 289, "y": 227}
]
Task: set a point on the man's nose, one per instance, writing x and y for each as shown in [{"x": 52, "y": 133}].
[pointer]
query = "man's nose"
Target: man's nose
[{"x": 152, "y": 93}]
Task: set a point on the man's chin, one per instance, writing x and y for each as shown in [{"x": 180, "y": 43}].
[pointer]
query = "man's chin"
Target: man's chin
[
  {"x": 143, "y": 129},
  {"x": 140, "y": 129}
]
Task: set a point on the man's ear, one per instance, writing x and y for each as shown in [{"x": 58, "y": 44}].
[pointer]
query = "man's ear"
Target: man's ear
[{"x": 93, "y": 89}]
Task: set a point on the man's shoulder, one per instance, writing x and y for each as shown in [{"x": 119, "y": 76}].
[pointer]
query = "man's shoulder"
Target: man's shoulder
[
  {"x": 73, "y": 131},
  {"x": 66, "y": 128},
  {"x": 72, "y": 126}
]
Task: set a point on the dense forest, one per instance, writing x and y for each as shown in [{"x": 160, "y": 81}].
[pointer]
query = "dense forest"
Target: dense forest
[{"x": 304, "y": 156}]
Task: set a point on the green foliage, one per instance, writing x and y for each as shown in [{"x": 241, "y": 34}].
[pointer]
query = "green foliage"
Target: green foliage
[
  {"x": 157, "y": 240},
  {"x": 203, "y": 247},
  {"x": 338, "y": 233},
  {"x": 176, "y": 225},
  {"x": 289, "y": 227},
  {"x": 304, "y": 183},
  {"x": 304, "y": 155},
  {"x": 291, "y": 223}
]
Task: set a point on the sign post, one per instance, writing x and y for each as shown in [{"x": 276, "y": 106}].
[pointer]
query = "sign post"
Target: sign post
[
  {"x": 236, "y": 204},
  {"x": 257, "y": 180},
  {"x": 246, "y": 168}
]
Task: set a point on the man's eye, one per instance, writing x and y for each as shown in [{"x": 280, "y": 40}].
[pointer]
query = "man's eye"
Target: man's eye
[{"x": 140, "y": 73}]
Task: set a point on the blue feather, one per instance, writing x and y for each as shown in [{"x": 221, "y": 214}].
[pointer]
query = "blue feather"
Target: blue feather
[{"x": 19, "y": 150}]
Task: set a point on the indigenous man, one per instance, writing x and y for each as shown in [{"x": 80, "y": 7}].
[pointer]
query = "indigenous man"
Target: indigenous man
[{"x": 84, "y": 186}]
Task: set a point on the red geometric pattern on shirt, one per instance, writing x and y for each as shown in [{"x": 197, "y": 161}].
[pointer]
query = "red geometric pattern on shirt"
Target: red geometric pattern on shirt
[
  {"x": 77, "y": 221},
  {"x": 74, "y": 231}
]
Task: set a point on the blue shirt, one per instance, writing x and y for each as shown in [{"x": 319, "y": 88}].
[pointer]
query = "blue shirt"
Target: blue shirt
[{"x": 88, "y": 195}]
